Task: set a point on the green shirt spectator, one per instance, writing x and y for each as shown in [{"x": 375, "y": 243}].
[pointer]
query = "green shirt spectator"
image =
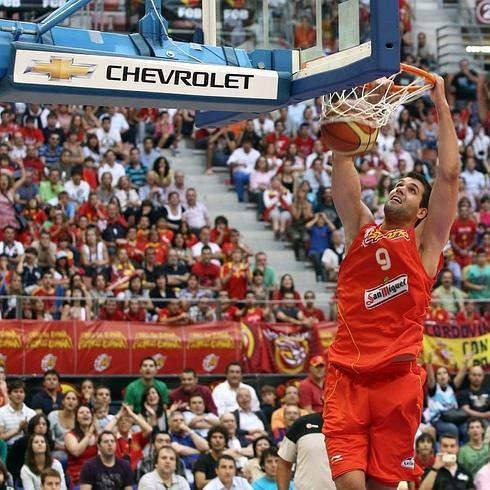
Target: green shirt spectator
[
  {"x": 476, "y": 453},
  {"x": 50, "y": 189},
  {"x": 135, "y": 390},
  {"x": 477, "y": 277},
  {"x": 268, "y": 271}
]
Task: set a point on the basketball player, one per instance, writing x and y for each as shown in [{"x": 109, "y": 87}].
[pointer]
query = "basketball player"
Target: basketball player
[{"x": 373, "y": 394}]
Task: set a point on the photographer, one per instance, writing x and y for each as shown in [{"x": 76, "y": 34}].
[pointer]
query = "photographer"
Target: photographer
[{"x": 446, "y": 473}]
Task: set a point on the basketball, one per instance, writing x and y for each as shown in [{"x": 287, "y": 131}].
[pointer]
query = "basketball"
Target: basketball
[{"x": 348, "y": 138}]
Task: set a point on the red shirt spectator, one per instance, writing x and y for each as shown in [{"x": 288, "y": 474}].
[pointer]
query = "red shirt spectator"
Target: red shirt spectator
[
  {"x": 110, "y": 311},
  {"x": 463, "y": 234},
  {"x": 32, "y": 135},
  {"x": 253, "y": 315},
  {"x": 236, "y": 275},
  {"x": 311, "y": 388},
  {"x": 314, "y": 313},
  {"x": 206, "y": 271},
  {"x": 279, "y": 139}
]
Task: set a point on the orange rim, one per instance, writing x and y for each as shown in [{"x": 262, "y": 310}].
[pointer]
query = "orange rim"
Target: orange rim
[{"x": 430, "y": 80}]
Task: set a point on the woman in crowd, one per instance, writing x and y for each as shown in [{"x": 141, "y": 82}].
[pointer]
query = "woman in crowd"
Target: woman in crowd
[
  {"x": 8, "y": 188},
  {"x": 93, "y": 254},
  {"x": 277, "y": 203},
  {"x": 81, "y": 442},
  {"x": 62, "y": 421},
  {"x": 252, "y": 470},
  {"x": 260, "y": 180},
  {"x": 92, "y": 149},
  {"x": 73, "y": 145},
  {"x": 301, "y": 212},
  {"x": 105, "y": 191},
  {"x": 87, "y": 393},
  {"x": 173, "y": 211},
  {"x": 129, "y": 200},
  {"x": 11, "y": 292},
  {"x": 286, "y": 285},
  {"x": 38, "y": 425},
  {"x": 154, "y": 411},
  {"x": 38, "y": 458},
  {"x": 162, "y": 167},
  {"x": 76, "y": 308}
]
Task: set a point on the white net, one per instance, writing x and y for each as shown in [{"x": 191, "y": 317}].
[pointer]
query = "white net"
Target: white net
[{"x": 374, "y": 103}]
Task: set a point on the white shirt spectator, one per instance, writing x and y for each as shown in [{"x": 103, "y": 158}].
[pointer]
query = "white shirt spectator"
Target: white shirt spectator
[
  {"x": 77, "y": 193},
  {"x": 117, "y": 171},
  {"x": 209, "y": 417},
  {"x": 107, "y": 140},
  {"x": 317, "y": 181},
  {"x": 153, "y": 481},
  {"x": 475, "y": 181},
  {"x": 265, "y": 128},
  {"x": 196, "y": 216},
  {"x": 118, "y": 122},
  {"x": 249, "y": 421},
  {"x": 31, "y": 481},
  {"x": 481, "y": 144},
  {"x": 10, "y": 419},
  {"x": 296, "y": 112},
  {"x": 148, "y": 159},
  {"x": 197, "y": 249},
  {"x": 224, "y": 397},
  {"x": 385, "y": 143},
  {"x": 392, "y": 161},
  {"x": 246, "y": 161},
  {"x": 15, "y": 249},
  {"x": 239, "y": 483},
  {"x": 313, "y": 156}
]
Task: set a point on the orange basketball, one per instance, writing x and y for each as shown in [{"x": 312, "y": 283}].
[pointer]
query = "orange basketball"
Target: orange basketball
[{"x": 349, "y": 138}]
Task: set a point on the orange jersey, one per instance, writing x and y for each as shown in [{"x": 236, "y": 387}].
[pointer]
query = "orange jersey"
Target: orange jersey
[{"x": 383, "y": 295}]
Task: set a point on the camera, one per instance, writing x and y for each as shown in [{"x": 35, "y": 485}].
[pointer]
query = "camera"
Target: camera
[{"x": 448, "y": 458}]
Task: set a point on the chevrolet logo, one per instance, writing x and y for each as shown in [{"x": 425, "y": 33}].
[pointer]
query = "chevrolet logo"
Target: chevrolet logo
[{"x": 60, "y": 68}]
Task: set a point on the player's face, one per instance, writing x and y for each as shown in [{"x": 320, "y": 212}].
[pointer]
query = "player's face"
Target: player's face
[{"x": 403, "y": 204}]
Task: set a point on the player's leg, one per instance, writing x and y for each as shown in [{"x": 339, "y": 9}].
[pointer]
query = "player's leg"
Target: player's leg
[
  {"x": 353, "y": 480},
  {"x": 396, "y": 402},
  {"x": 345, "y": 425}
]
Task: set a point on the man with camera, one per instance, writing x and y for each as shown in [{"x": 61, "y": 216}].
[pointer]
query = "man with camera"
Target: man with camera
[{"x": 446, "y": 473}]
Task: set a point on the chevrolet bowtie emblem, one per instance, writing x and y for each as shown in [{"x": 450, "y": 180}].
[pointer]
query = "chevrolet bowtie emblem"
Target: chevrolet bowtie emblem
[{"x": 60, "y": 68}]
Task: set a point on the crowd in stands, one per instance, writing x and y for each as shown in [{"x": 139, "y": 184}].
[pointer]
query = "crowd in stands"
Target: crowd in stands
[{"x": 208, "y": 437}]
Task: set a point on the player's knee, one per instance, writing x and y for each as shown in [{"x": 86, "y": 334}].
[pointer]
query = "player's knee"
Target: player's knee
[{"x": 353, "y": 480}]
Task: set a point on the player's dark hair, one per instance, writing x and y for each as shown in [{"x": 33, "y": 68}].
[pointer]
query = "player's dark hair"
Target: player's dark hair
[{"x": 424, "y": 203}]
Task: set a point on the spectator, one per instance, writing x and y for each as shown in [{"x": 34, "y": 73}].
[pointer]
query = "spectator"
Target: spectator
[
  {"x": 190, "y": 445},
  {"x": 11, "y": 247},
  {"x": 196, "y": 214},
  {"x": 109, "y": 139},
  {"x": 291, "y": 414},
  {"x": 320, "y": 229},
  {"x": 50, "y": 189},
  {"x": 49, "y": 398},
  {"x": 7, "y": 195},
  {"x": 134, "y": 391},
  {"x": 174, "y": 313},
  {"x": 446, "y": 473},
  {"x": 242, "y": 162},
  {"x": 189, "y": 386},
  {"x": 253, "y": 470},
  {"x": 106, "y": 470},
  {"x": 225, "y": 393},
  {"x": 197, "y": 418},
  {"x": 236, "y": 275},
  {"x": 46, "y": 257},
  {"x": 474, "y": 179},
  {"x": 269, "y": 462},
  {"x": 164, "y": 475},
  {"x": 304, "y": 445},
  {"x": 148, "y": 153},
  {"x": 476, "y": 278},
  {"x": 291, "y": 397},
  {"x": 135, "y": 170},
  {"x": 205, "y": 240},
  {"x": 38, "y": 425},
  {"x": 78, "y": 189},
  {"x": 226, "y": 478},
  {"x": 464, "y": 84},
  {"x": 268, "y": 271},
  {"x": 50, "y": 480},
  {"x": 251, "y": 422},
  {"x": 178, "y": 185},
  {"x": 476, "y": 453},
  {"x": 203, "y": 311},
  {"x": 463, "y": 234},
  {"x": 425, "y": 446},
  {"x": 50, "y": 153},
  {"x": 251, "y": 312},
  {"x": 476, "y": 399},
  {"x": 259, "y": 182},
  {"x": 205, "y": 466},
  {"x": 316, "y": 176},
  {"x": 110, "y": 311},
  {"x": 449, "y": 296},
  {"x": 238, "y": 444},
  {"x": 37, "y": 459},
  {"x": 206, "y": 271},
  {"x": 288, "y": 312},
  {"x": 14, "y": 416},
  {"x": 80, "y": 443},
  {"x": 277, "y": 202},
  {"x": 482, "y": 478},
  {"x": 311, "y": 388},
  {"x": 309, "y": 310}
]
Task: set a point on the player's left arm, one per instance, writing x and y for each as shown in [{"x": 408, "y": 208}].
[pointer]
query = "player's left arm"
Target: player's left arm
[{"x": 434, "y": 232}]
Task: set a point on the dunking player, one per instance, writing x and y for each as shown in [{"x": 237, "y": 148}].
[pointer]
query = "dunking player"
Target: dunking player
[{"x": 373, "y": 394}]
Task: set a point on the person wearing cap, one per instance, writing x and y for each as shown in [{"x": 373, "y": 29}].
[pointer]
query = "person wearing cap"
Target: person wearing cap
[{"x": 311, "y": 388}]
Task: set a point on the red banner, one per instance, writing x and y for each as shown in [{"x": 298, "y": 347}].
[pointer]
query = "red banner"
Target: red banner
[{"x": 104, "y": 348}]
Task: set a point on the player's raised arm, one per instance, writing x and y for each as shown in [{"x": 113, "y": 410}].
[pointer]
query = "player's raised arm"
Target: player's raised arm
[
  {"x": 444, "y": 196},
  {"x": 346, "y": 190}
]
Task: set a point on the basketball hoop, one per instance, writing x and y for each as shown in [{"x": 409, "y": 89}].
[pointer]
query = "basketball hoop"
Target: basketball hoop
[{"x": 375, "y": 102}]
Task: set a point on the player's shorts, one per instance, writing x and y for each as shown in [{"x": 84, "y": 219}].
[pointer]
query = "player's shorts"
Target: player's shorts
[{"x": 370, "y": 421}]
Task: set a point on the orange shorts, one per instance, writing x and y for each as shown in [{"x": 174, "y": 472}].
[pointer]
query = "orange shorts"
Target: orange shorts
[{"x": 370, "y": 421}]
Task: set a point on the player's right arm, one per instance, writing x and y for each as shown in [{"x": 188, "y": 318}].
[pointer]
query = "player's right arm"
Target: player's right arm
[{"x": 346, "y": 189}]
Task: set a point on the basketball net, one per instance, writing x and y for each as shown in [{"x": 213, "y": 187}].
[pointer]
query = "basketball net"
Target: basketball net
[{"x": 374, "y": 103}]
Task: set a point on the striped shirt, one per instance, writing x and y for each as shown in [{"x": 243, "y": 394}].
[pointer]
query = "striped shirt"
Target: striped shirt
[{"x": 137, "y": 175}]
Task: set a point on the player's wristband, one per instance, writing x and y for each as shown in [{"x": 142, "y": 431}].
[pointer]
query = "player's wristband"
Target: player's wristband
[{"x": 434, "y": 469}]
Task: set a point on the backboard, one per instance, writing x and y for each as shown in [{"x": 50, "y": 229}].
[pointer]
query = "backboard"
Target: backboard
[{"x": 335, "y": 43}]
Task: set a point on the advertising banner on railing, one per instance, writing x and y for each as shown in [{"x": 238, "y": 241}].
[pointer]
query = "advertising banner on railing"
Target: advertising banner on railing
[{"x": 108, "y": 348}]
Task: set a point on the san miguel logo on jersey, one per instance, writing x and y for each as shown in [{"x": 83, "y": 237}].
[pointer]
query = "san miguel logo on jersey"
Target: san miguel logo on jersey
[
  {"x": 375, "y": 297},
  {"x": 374, "y": 235}
]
